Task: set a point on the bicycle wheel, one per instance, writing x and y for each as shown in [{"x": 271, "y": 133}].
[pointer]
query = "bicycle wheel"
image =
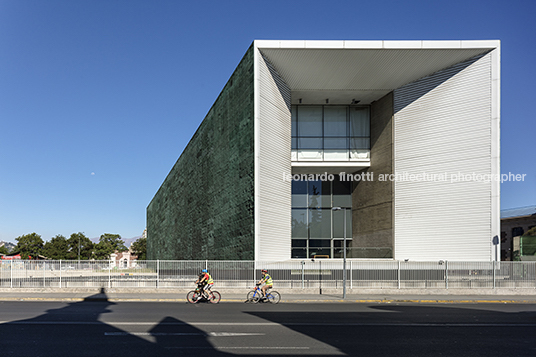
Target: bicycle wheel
[
  {"x": 192, "y": 297},
  {"x": 252, "y": 297},
  {"x": 274, "y": 297},
  {"x": 214, "y": 297}
]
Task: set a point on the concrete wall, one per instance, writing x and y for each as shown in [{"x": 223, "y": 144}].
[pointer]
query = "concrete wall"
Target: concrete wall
[
  {"x": 372, "y": 201},
  {"x": 204, "y": 208}
]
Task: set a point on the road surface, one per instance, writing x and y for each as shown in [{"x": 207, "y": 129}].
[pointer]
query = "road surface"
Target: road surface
[{"x": 105, "y": 328}]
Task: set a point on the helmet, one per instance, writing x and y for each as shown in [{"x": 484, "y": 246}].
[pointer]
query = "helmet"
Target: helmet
[
  {"x": 204, "y": 270},
  {"x": 264, "y": 271}
]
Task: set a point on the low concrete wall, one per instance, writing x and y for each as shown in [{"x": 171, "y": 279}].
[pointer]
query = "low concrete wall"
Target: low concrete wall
[{"x": 312, "y": 291}]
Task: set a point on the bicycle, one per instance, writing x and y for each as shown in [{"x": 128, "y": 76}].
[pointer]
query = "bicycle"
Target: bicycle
[
  {"x": 255, "y": 296},
  {"x": 197, "y": 295}
]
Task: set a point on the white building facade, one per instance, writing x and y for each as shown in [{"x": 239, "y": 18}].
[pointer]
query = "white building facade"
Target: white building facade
[{"x": 431, "y": 189}]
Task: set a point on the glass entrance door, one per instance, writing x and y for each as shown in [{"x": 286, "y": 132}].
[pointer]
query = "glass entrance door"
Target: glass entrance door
[{"x": 320, "y": 210}]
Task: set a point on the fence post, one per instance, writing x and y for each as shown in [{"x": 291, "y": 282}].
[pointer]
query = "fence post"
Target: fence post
[
  {"x": 157, "y": 273},
  {"x": 44, "y": 274},
  {"x": 399, "y": 274},
  {"x": 446, "y": 274},
  {"x": 60, "y": 273},
  {"x": 351, "y": 276},
  {"x": 493, "y": 265},
  {"x": 109, "y": 274},
  {"x": 11, "y": 266},
  {"x": 303, "y": 274}
]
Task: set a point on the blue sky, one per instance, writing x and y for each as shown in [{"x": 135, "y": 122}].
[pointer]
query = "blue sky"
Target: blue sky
[{"x": 99, "y": 98}]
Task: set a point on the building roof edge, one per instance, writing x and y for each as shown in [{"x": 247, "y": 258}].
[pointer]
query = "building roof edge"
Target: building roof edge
[{"x": 377, "y": 44}]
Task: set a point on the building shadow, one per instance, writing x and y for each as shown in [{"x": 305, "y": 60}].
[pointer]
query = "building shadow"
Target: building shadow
[
  {"x": 415, "y": 90},
  {"x": 76, "y": 329},
  {"x": 79, "y": 329},
  {"x": 414, "y": 330}
]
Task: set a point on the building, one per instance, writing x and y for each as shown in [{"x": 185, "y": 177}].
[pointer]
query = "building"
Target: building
[
  {"x": 515, "y": 222},
  {"x": 123, "y": 260},
  {"x": 389, "y": 146}
]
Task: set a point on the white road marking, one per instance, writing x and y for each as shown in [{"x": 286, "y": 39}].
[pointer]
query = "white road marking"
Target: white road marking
[
  {"x": 211, "y": 334},
  {"x": 225, "y": 334},
  {"x": 239, "y": 348}
]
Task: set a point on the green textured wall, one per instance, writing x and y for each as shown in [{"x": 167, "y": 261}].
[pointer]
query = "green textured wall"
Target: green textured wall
[{"x": 204, "y": 208}]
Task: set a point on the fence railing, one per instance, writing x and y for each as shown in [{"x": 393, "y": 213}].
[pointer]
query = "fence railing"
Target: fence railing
[{"x": 294, "y": 274}]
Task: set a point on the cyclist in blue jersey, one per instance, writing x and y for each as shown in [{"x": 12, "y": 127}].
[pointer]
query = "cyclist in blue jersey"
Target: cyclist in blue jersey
[{"x": 206, "y": 279}]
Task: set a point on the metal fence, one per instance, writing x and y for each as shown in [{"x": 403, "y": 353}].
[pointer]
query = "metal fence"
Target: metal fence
[{"x": 293, "y": 274}]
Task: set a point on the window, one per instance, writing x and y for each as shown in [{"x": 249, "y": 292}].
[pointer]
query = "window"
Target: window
[
  {"x": 316, "y": 228},
  {"x": 517, "y": 231},
  {"x": 330, "y": 133}
]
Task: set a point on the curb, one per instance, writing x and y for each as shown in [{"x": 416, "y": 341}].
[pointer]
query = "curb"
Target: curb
[{"x": 292, "y": 301}]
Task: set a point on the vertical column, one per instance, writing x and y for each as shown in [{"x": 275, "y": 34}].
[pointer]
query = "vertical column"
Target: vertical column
[{"x": 372, "y": 201}]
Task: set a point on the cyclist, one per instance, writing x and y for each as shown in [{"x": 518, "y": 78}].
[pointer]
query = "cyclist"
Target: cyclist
[
  {"x": 207, "y": 281},
  {"x": 268, "y": 282}
]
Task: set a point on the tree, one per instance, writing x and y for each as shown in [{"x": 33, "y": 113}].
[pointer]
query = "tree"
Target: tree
[
  {"x": 57, "y": 248},
  {"x": 80, "y": 247},
  {"x": 29, "y": 245},
  {"x": 3, "y": 250},
  {"x": 139, "y": 248},
  {"x": 108, "y": 244},
  {"x": 531, "y": 232}
]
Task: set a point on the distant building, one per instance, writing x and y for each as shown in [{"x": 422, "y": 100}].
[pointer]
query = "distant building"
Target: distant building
[
  {"x": 11, "y": 256},
  {"x": 389, "y": 146},
  {"x": 17, "y": 256},
  {"x": 514, "y": 223},
  {"x": 123, "y": 260}
]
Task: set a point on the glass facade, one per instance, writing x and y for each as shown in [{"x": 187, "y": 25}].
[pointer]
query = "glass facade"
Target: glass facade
[
  {"x": 317, "y": 229},
  {"x": 330, "y": 133}
]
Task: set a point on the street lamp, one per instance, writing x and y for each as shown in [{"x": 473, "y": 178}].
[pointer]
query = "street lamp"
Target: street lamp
[{"x": 344, "y": 253}]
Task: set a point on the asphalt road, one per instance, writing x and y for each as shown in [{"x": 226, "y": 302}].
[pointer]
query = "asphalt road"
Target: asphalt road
[{"x": 104, "y": 328}]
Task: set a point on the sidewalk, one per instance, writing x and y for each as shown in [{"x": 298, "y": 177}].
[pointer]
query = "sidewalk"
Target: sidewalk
[{"x": 239, "y": 296}]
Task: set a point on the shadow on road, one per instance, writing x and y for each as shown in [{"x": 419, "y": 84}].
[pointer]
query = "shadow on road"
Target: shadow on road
[
  {"x": 75, "y": 329},
  {"x": 415, "y": 330}
]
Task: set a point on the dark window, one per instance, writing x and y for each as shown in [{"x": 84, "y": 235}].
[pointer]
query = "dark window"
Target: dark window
[
  {"x": 299, "y": 243},
  {"x": 299, "y": 252},
  {"x": 330, "y": 133},
  {"x": 517, "y": 231}
]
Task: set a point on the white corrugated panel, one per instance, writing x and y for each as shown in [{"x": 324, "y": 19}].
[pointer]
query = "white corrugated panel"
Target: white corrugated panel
[
  {"x": 273, "y": 193},
  {"x": 442, "y": 127}
]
